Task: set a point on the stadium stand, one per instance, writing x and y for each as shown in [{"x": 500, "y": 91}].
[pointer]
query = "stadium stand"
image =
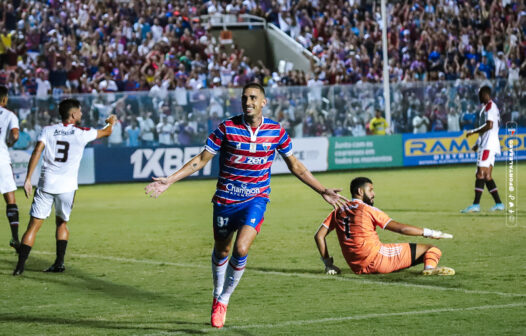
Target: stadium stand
[{"x": 171, "y": 65}]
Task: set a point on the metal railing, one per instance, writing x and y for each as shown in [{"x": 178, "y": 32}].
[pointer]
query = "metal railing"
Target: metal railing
[
  {"x": 233, "y": 20},
  {"x": 303, "y": 111}
]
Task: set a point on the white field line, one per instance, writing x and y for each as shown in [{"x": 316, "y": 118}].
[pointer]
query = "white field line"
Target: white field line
[
  {"x": 376, "y": 315},
  {"x": 346, "y": 318},
  {"x": 297, "y": 275}
]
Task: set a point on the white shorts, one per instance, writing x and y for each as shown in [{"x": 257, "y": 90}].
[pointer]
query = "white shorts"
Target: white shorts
[
  {"x": 485, "y": 158},
  {"x": 43, "y": 201},
  {"x": 7, "y": 180}
]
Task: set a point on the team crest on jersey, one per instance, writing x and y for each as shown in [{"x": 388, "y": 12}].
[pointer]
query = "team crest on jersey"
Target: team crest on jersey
[{"x": 266, "y": 146}]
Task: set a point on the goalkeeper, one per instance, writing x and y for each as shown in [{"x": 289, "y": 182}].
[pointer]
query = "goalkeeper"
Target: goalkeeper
[{"x": 361, "y": 246}]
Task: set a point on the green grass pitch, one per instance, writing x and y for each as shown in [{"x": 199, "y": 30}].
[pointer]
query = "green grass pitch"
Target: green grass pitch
[{"x": 141, "y": 266}]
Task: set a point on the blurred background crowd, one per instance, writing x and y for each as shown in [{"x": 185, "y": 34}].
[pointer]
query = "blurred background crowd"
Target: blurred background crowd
[{"x": 157, "y": 66}]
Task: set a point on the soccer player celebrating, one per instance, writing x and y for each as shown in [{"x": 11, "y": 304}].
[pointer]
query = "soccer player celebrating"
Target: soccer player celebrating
[
  {"x": 361, "y": 247},
  {"x": 63, "y": 145},
  {"x": 8, "y": 136},
  {"x": 247, "y": 144},
  {"x": 488, "y": 145}
]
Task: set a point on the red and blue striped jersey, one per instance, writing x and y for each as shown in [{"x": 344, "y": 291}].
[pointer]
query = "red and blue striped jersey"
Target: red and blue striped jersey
[{"x": 246, "y": 158}]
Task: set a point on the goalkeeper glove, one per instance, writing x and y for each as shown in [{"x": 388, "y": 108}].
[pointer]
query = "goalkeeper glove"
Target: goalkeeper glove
[
  {"x": 435, "y": 234},
  {"x": 330, "y": 268}
]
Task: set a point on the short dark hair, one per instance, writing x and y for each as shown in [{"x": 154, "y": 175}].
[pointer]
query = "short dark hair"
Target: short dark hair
[
  {"x": 65, "y": 106},
  {"x": 485, "y": 90},
  {"x": 254, "y": 85},
  {"x": 358, "y": 183},
  {"x": 3, "y": 92}
]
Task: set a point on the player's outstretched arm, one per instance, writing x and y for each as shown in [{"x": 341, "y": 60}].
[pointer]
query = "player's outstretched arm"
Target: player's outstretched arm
[
  {"x": 321, "y": 243},
  {"x": 160, "y": 184},
  {"x": 106, "y": 130},
  {"x": 33, "y": 161},
  {"x": 299, "y": 170},
  {"x": 410, "y": 230}
]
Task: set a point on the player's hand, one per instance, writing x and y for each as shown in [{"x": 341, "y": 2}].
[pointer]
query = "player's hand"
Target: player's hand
[
  {"x": 475, "y": 147},
  {"x": 28, "y": 188},
  {"x": 332, "y": 197},
  {"x": 111, "y": 119},
  {"x": 436, "y": 234},
  {"x": 157, "y": 187},
  {"x": 469, "y": 133},
  {"x": 332, "y": 270}
]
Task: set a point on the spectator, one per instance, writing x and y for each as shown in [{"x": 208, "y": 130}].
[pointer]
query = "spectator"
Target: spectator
[
  {"x": 420, "y": 123},
  {"x": 468, "y": 120},
  {"x": 165, "y": 129},
  {"x": 453, "y": 120},
  {"x": 378, "y": 125},
  {"x": 116, "y": 137},
  {"x": 147, "y": 127},
  {"x": 438, "y": 119},
  {"x": 43, "y": 90},
  {"x": 132, "y": 133}
]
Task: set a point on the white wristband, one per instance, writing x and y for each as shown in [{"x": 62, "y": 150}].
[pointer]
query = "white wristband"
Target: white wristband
[{"x": 428, "y": 232}]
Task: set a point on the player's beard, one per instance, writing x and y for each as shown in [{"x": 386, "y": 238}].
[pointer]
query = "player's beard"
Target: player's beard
[{"x": 368, "y": 200}]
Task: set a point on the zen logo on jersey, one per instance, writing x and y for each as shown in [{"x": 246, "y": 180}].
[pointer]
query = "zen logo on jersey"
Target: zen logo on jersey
[
  {"x": 248, "y": 159},
  {"x": 163, "y": 161}
]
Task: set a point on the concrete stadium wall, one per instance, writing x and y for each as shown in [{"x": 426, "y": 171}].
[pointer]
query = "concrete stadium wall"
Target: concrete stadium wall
[
  {"x": 255, "y": 43},
  {"x": 269, "y": 47},
  {"x": 281, "y": 50}
]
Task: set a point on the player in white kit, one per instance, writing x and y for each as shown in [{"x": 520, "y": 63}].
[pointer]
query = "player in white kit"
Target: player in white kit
[
  {"x": 488, "y": 145},
  {"x": 63, "y": 145},
  {"x": 8, "y": 136}
]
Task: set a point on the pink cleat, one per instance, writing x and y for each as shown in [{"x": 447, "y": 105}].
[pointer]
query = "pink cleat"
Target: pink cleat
[
  {"x": 218, "y": 314},
  {"x": 214, "y": 303}
]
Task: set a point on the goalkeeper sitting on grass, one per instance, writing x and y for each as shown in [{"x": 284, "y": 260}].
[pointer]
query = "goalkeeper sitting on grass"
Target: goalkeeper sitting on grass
[{"x": 361, "y": 247}]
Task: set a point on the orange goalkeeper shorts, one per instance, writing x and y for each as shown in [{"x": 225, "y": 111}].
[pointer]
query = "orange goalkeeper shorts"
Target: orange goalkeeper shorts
[{"x": 390, "y": 258}]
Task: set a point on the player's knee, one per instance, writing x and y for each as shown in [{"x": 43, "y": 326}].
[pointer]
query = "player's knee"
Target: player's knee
[
  {"x": 34, "y": 224},
  {"x": 59, "y": 221},
  {"x": 221, "y": 254},
  {"x": 241, "y": 250}
]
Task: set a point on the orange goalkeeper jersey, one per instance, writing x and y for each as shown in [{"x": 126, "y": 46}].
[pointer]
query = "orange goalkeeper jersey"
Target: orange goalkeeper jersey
[{"x": 356, "y": 230}]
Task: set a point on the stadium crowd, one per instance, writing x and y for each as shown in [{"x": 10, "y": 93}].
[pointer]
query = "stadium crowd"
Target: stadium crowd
[{"x": 161, "y": 48}]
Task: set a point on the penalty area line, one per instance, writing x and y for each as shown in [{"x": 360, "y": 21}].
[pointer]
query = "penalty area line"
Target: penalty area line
[{"x": 285, "y": 274}]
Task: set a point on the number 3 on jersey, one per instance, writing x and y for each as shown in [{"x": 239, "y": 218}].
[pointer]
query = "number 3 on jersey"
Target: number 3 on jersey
[{"x": 62, "y": 151}]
